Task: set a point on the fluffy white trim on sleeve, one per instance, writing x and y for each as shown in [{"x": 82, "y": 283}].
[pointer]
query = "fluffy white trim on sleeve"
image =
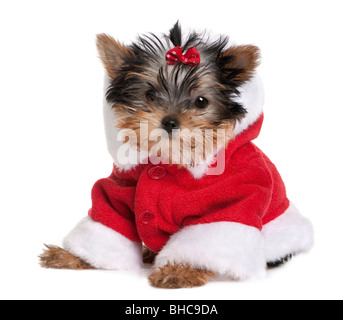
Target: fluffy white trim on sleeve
[
  {"x": 102, "y": 247},
  {"x": 291, "y": 233},
  {"x": 229, "y": 249}
]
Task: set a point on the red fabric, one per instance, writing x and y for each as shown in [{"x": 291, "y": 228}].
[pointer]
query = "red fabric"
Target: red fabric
[
  {"x": 191, "y": 57},
  {"x": 150, "y": 203}
]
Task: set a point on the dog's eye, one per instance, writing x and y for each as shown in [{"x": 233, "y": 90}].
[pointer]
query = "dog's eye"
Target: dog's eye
[
  {"x": 152, "y": 95},
  {"x": 201, "y": 102}
]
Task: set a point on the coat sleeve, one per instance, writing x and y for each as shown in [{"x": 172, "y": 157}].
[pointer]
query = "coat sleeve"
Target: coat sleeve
[
  {"x": 222, "y": 222},
  {"x": 113, "y": 205},
  {"x": 107, "y": 238},
  {"x": 243, "y": 195}
]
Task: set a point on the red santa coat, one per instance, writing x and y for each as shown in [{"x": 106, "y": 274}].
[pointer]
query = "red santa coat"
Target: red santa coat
[{"x": 150, "y": 203}]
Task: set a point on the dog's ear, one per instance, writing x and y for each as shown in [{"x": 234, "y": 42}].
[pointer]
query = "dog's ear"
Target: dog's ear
[
  {"x": 112, "y": 53},
  {"x": 239, "y": 63}
]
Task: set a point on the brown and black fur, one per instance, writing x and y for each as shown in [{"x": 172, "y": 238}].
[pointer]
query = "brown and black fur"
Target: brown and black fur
[
  {"x": 143, "y": 88},
  {"x": 142, "y": 79}
]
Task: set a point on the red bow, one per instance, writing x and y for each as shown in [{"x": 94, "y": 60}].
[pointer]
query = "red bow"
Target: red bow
[{"x": 191, "y": 57}]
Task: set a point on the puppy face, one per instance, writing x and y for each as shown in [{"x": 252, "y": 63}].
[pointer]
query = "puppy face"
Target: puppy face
[{"x": 178, "y": 102}]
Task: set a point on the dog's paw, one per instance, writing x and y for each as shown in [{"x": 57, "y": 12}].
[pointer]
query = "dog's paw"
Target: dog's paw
[
  {"x": 174, "y": 276},
  {"x": 280, "y": 262},
  {"x": 54, "y": 257},
  {"x": 148, "y": 255}
]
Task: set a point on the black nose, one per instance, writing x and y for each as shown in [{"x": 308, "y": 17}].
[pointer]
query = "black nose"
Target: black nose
[{"x": 169, "y": 123}]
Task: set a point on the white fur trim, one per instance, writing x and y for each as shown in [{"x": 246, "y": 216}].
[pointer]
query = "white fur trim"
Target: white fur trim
[
  {"x": 252, "y": 99},
  {"x": 200, "y": 170},
  {"x": 229, "y": 249},
  {"x": 290, "y": 233},
  {"x": 102, "y": 247},
  {"x": 112, "y": 133}
]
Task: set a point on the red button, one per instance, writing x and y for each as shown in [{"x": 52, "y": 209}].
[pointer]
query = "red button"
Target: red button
[
  {"x": 146, "y": 217},
  {"x": 157, "y": 173}
]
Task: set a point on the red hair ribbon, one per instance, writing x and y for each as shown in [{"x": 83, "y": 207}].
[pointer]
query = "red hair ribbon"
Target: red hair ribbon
[{"x": 191, "y": 57}]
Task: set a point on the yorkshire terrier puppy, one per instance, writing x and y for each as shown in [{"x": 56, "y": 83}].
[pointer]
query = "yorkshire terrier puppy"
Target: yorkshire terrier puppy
[{"x": 189, "y": 191}]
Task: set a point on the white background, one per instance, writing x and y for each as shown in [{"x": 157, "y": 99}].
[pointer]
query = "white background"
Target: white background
[{"x": 53, "y": 145}]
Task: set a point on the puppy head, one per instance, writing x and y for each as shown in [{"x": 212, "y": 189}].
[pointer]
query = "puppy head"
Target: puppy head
[{"x": 186, "y": 103}]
